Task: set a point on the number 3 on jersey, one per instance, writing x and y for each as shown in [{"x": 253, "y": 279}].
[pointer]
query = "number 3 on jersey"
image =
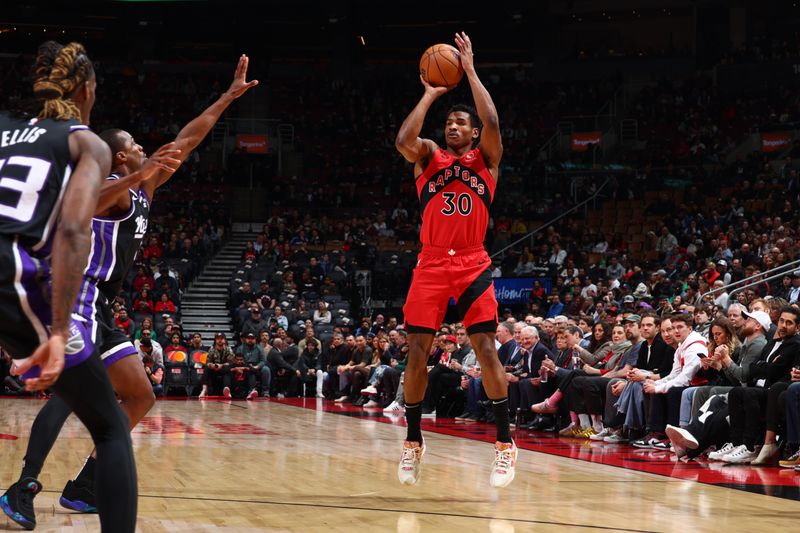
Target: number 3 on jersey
[
  {"x": 28, "y": 188},
  {"x": 462, "y": 204}
]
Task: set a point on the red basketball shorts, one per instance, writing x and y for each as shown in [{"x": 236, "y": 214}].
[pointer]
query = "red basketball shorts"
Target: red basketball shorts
[{"x": 441, "y": 274}]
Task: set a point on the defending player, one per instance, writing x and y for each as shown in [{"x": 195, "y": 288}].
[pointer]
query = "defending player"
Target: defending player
[
  {"x": 117, "y": 231},
  {"x": 456, "y": 186},
  {"x": 52, "y": 167}
]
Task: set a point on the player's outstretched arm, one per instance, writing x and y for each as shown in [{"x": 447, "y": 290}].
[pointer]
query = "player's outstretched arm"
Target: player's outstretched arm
[
  {"x": 195, "y": 131},
  {"x": 115, "y": 192},
  {"x": 491, "y": 141},
  {"x": 71, "y": 244},
  {"x": 408, "y": 142}
]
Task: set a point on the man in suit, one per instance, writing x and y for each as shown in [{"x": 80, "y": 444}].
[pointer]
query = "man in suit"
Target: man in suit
[
  {"x": 508, "y": 346},
  {"x": 525, "y": 389}
]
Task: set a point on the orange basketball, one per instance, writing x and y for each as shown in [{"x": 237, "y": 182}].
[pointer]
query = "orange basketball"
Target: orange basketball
[{"x": 440, "y": 65}]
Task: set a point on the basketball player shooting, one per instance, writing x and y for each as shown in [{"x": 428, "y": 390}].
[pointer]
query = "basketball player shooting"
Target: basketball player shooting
[{"x": 456, "y": 186}]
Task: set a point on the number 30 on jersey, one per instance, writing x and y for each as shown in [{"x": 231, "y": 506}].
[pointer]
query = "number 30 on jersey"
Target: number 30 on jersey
[{"x": 461, "y": 203}]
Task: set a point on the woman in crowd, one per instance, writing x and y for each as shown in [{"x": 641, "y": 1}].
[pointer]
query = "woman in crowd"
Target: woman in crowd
[
  {"x": 322, "y": 314},
  {"x": 143, "y": 304}
]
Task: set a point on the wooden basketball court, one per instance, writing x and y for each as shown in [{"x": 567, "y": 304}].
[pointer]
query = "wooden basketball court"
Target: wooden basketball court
[{"x": 311, "y": 465}]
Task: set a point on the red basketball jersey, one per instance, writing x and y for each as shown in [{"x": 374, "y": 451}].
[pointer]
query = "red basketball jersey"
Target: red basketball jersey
[{"x": 455, "y": 195}]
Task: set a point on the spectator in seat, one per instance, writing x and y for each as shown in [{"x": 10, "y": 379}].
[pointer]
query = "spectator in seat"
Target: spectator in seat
[
  {"x": 280, "y": 317},
  {"x": 322, "y": 314},
  {"x": 165, "y": 304},
  {"x": 614, "y": 270},
  {"x": 308, "y": 336},
  {"x": 379, "y": 325},
  {"x": 256, "y": 361},
  {"x": 220, "y": 357},
  {"x": 310, "y": 366},
  {"x": 243, "y": 297},
  {"x": 239, "y": 379},
  {"x": 336, "y": 354},
  {"x": 354, "y": 374},
  {"x": 143, "y": 304},
  {"x": 155, "y": 374},
  {"x": 282, "y": 361},
  {"x": 265, "y": 296},
  {"x": 153, "y": 249},
  {"x": 142, "y": 279},
  {"x": 556, "y": 307},
  {"x": 155, "y": 350},
  {"x": 504, "y": 335},
  {"x": 702, "y": 321},
  {"x": 382, "y": 362},
  {"x": 663, "y": 395},
  {"x": 163, "y": 275},
  {"x": 365, "y": 328},
  {"x": 166, "y": 334},
  {"x": 264, "y": 341},
  {"x": 123, "y": 323},
  {"x": 147, "y": 323},
  {"x": 441, "y": 376},
  {"x": 532, "y": 353},
  {"x": 710, "y": 274},
  {"x": 196, "y": 344},
  {"x": 254, "y": 323},
  {"x": 175, "y": 345},
  {"x": 299, "y": 314},
  {"x": 316, "y": 270}
]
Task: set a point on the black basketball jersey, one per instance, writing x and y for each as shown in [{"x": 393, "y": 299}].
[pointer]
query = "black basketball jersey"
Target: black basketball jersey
[
  {"x": 115, "y": 242},
  {"x": 35, "y": 168}
]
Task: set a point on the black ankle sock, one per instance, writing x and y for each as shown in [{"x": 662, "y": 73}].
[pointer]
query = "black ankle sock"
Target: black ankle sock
[
  {"x": 500, "y": 409},
  {"x": 86, "y": 475},
  {"x": 413, "y": 417}
]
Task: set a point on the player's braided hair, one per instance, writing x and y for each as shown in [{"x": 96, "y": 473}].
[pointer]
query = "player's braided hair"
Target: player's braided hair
[{"x": 58, "y": 71}]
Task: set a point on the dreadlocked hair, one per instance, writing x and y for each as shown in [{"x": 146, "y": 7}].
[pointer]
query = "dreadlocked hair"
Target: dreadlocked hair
[{"x": 57, "y": 72}]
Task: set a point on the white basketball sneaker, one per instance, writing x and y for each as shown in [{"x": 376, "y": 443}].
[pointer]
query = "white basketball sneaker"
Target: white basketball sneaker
[
  {"x": 409, "y": 468},
  {"x": 505, "y": 460}
]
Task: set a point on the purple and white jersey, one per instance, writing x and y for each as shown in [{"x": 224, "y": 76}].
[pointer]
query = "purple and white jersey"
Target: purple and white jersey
[
  {"x": 115, "y": 242},
  {"x": 35, "y": 170}
]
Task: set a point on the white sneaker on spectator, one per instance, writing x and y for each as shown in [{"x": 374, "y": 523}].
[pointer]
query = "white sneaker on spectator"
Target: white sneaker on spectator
[
  {"x": 204, "y": 392},
  {"x": 226, "y": 392},
  {"x": 252, "y": 394},
  {"x": 394, "y": 407},
  {"x": 431, "y": 414},
  {"x": 320, "y": 395},
  {"x": 722, "y": 452},
  {"x": 369, "y": 390},
  {"x": 740, "y": 455},
  {"x": 371, "y": 403},
  {"x": 768, "y": 456},
  {"x": 616, "y": 437},
  {"x": 280, "y": 395},
  {"x": 681, "y": 437},
  {"x": 602, "y": 435},
  {"x": 340, "y": 399},
  {"x": 505, "y": 461},
  {"x": 409, "y": 468}
]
